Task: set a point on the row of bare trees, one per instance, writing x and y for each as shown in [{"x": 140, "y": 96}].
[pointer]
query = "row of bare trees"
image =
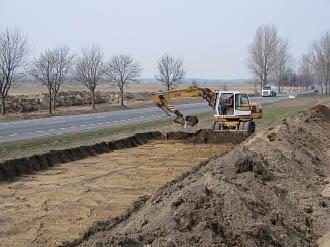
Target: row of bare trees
[
  {"x": 269, "y": 60},
  {"x": 53, "y": 67},
  {"x": 268, "y": 56},
  {"x": 314, "y": 66}
]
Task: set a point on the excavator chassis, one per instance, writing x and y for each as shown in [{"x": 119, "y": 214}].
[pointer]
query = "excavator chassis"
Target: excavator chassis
[{"x": 245, "y": 126}]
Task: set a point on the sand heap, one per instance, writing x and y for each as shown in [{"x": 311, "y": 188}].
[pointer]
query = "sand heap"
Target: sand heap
[{"x": 265, "y": 192}]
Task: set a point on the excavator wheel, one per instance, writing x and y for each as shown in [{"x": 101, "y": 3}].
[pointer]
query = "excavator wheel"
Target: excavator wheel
[{"x": 251, "y": 128}]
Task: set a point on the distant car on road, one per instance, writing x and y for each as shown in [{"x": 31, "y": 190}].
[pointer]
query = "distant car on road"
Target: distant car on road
[
  {"x": 269, "y": 91},
  {"x": 315, "y": 88}
]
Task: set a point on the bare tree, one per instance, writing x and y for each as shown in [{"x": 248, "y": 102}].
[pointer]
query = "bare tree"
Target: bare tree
[
  {"x": 263, "y": 52},
  {"x": 51, "y": 69},
  {"x": 89, "y": 69},
  {"x": 320, "y": 53},
  {"x": 122, "y": 69},
  {"x": 170, "y": 71},
  {"x": 283, "y": 61},
  {"x": 305, "y": 71},
  {"x": 64, "y": 61},
  {"x": 194, "y": 83},
  {"x": 14, "y": 50}
]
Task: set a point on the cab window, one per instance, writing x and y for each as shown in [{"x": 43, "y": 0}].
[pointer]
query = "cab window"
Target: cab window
[{"x": 226, "y": 104}]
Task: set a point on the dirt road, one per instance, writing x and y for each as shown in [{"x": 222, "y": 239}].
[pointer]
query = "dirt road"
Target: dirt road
[{"x": 62, "y": 202}]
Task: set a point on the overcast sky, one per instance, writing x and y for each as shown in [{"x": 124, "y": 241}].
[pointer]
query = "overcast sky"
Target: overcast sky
[{"x": 211, "y": 36}]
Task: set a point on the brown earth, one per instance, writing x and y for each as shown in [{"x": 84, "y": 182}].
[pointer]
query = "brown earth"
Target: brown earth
[
  {"x": 273, "y": 190},
  {"x": 48, "y": 207}
]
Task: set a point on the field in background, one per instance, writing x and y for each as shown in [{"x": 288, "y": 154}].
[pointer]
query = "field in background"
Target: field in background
[{"x": 34, "y": 88}]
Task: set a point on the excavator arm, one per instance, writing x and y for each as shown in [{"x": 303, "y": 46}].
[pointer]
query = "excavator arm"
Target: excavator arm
[{"x": 162, "y": 101}]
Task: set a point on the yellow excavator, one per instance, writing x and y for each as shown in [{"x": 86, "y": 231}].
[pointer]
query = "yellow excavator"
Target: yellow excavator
[{"x": 232, "y": 109}]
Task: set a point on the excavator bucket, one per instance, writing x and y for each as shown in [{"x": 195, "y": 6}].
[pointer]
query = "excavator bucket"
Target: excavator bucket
[{"x": 191, "y": 120}]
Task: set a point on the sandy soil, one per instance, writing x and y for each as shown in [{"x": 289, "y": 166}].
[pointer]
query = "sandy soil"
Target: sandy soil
[{"x": 62, "y": 202}]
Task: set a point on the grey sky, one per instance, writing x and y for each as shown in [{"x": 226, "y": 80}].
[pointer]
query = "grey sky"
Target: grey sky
[{"x": 211, "y": 36}]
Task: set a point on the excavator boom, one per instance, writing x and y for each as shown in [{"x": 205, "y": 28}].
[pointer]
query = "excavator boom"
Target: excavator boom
[{"x": 162, "y": 101}]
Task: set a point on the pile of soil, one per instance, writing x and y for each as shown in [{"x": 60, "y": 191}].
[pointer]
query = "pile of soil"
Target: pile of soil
[
  {"x": 265, "y": 192},
  {"x": 208, "y": 136}
]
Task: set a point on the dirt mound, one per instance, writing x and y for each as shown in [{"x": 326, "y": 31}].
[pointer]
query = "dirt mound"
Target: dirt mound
[
  {"x": 265, "y": 192},
  {"x": 208, "y": 136},
  {"x": 320, "y": 112}
]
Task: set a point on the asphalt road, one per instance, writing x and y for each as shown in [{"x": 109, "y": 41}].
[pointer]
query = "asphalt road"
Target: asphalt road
[{"x": 29, "y": 129}]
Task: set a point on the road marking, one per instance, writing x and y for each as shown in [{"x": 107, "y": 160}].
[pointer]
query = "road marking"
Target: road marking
[
  {"x": 39, "y": 131},
  {"x": 63, "y": 128},
  {"x": 100, "y": 123},
  {"x": 52, "y": 130},
  {"x": 91, "y": 124},
  {"x": 15, "y": 134},
  {"x": 83, "y": 125}
]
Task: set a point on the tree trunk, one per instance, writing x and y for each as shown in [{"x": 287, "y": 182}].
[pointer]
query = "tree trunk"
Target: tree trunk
[
  {"x": 54, "y": 101},
  {"x": 122, "y": 97},
  {"x": 3, "y": 106},
  {"x": 168, "y": 86},
  {"x": 93, "y": 99},
  {"x": 50, "y": 101}
]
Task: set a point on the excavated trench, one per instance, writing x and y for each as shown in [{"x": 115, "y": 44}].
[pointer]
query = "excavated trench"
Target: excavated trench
[
  {"x": 52, "y": 198},
  {"x": 29, "y": 165}
]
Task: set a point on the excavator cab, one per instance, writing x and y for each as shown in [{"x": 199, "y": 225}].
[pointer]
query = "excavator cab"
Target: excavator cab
[
  {"x": 232, "y": 104},
  {"x": 233, "y": 111}
]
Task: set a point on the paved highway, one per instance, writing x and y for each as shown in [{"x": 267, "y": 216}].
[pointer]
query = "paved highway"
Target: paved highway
[{"x": 29, "y": 129}]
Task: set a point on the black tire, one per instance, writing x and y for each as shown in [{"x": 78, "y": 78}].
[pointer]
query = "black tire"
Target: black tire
[
  {"x": 251, "y": 127},
  {"x": 214, "y": 127}
]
